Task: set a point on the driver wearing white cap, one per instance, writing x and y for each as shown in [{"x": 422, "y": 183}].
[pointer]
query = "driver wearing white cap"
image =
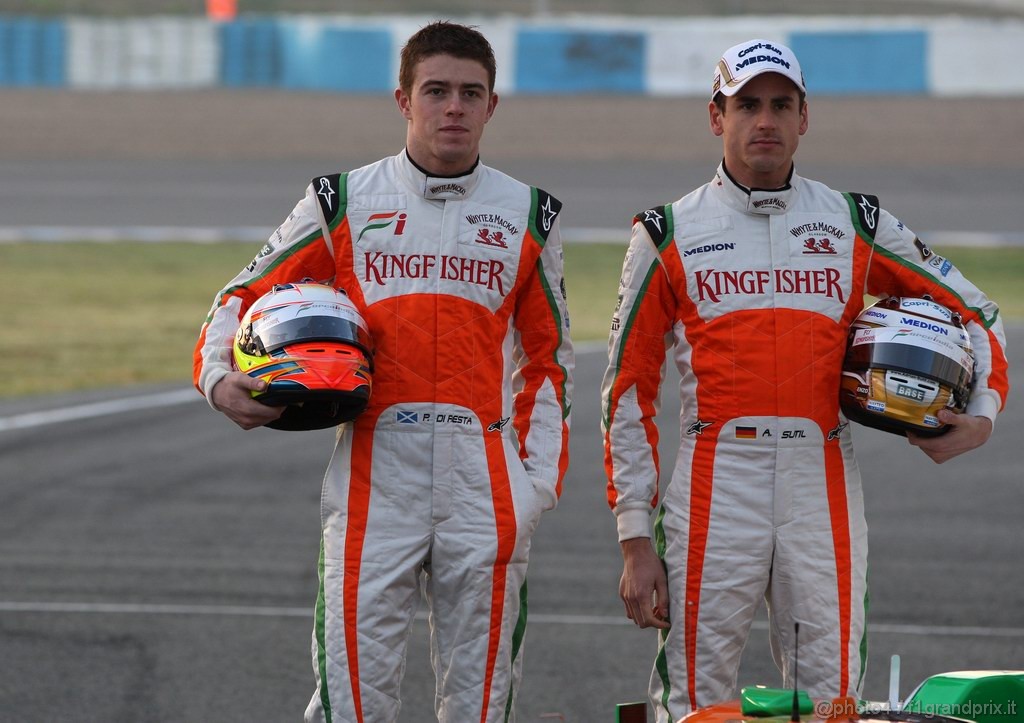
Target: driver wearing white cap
[
  {"x": 753, "y": 281},
  {"x": 746, "y": 61}
]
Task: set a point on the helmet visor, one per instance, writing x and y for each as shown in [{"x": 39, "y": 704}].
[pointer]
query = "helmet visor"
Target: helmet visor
[
  {"x": 276, "y": 334},
  {"x": 881, "y": 349}
]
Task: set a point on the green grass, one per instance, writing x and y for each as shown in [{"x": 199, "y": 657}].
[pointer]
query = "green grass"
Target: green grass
[
  {"x": 89, "y": 315},
  {"x": 96, "y": 315}
]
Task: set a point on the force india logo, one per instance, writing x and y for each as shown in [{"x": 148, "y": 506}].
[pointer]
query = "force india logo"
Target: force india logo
[
  {"x": 712, "y": 285},
  {"x": 383, "y": 220}
]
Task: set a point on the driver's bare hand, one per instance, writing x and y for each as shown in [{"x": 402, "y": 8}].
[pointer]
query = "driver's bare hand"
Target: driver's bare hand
[
  {"x": 966, "y": 432},
  {"x": 644, "y": 586},
  {"x": 232, "y": 395}
]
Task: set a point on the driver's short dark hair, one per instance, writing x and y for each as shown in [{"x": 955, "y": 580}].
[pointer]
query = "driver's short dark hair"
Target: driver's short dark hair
[{"x": 445, "y": 38}]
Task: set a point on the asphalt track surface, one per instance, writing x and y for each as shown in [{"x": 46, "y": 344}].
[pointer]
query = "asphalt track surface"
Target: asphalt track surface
[
  {"x": 237, "y": 162},
  {"x": 158, "y": 564}
]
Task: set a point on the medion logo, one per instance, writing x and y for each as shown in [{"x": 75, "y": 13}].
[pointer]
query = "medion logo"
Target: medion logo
[
  {"x": 920, "y": 324},
  {"x": 709, "y": 247},
  {"x": 755, "y": 59},
  {"x": 762, "y": 59}
]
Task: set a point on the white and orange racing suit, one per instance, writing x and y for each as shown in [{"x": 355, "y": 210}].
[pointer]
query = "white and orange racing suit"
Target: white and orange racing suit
[
  {"x": 438, "y": 486},
  {"x": 754, "y": 292}
]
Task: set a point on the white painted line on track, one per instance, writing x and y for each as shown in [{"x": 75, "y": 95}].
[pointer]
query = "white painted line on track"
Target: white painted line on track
[
  {"x": 960, "y": 631},
  {"x": 259, "y": 234},
  {"x": 154, "y": 609},
  {"x": 98, "y": 409},
  {"x": 152, "y": 401},
  {"x": 133, "y": 234}
]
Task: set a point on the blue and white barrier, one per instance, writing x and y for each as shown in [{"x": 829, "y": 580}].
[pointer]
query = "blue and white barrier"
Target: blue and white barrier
[
  {"x": 141, "y": 54},
  {"x": 32, "y": 52},
  {"x": 951, "y": 56}
]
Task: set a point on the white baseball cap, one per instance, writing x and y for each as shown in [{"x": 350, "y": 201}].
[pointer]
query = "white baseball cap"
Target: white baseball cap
[{"x": 747, "y": 60}]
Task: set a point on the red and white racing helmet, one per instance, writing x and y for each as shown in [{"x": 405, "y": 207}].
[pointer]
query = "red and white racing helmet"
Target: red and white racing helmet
[
  {"x": 312, "y": 347},
  {"x": 906, "y": 359}
]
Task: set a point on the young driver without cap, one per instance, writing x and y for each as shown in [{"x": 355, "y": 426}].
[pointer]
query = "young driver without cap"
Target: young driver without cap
[{"x": 438, "y": 486}]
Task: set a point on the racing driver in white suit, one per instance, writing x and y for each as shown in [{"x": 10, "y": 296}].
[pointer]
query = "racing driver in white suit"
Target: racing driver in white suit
[
  {"x": 752, "y": 281},
  {"x": 440, "y": 483}
]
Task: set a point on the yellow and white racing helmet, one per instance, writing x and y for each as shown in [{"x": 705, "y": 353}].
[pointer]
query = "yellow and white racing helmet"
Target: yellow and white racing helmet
[
  {"x": 906, "y": 359},
  {"x": 312, "y": 347}
]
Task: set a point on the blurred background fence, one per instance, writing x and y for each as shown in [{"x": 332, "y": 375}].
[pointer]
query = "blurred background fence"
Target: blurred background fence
[
  {"x": 441, "y": 8},
  {"x": 919, "y": 47}
]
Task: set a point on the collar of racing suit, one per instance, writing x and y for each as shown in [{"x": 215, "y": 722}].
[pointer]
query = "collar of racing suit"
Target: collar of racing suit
[
  {"x": 442, "y": 188},
  {"x": 757, "y": 200}
]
